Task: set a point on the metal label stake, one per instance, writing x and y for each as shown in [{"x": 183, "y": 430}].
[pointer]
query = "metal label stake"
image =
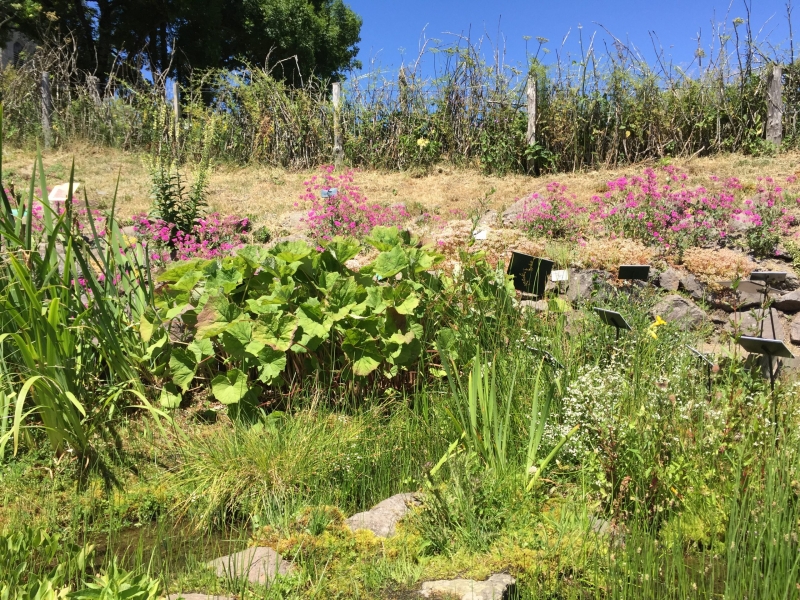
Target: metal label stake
[{"x": 613, "y": 318}]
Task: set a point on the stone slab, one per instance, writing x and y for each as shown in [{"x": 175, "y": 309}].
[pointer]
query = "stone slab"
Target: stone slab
[
  {"x": 794, "y": 332},
  {"x": 382, "y": 518},
  {"x": 497, "y": 587},
  {"x": 257, "y": 565}
]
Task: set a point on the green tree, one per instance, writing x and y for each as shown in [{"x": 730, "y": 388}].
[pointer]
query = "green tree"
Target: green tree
[{"x": 298, "y": 37}]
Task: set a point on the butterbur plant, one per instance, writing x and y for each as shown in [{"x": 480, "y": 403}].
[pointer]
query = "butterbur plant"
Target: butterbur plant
[{"x": 347, "y": 211}]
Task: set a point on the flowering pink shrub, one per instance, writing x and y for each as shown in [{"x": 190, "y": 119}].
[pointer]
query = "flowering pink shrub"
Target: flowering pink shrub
[
  {"x": 80, "y": 216},
  {"x": 210, "y": 237},
  {"x": 555, "y": 215},
  {"x": 348, "y": 212},
  {"x": 660, "y": 209}
]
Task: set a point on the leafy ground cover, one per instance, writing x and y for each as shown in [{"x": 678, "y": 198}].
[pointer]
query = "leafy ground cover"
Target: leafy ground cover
[{"x": 155, "y": 417}]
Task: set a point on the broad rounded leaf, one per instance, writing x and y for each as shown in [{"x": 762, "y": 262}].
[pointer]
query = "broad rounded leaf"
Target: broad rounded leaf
[
  {"x": 389, "y": 264},
  {"x": 183, "y": 366},
  {"x": 230, "y": 387},
  {"x": 170, "y": 396}
]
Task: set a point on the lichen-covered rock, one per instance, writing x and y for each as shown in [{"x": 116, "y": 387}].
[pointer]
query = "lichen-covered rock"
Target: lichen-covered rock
[
  {"x": 382, "y": 518},
  {"x": 794, "y": 332},
  {"x": 257, "y": 565},
  {"x": 497, "y": 587},
  {"x": 788, "y": 303},
  {"x": 680, "y": 311}
]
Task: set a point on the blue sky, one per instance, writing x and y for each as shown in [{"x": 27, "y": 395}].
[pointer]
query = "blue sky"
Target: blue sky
[{"x": 392, "y": 25}]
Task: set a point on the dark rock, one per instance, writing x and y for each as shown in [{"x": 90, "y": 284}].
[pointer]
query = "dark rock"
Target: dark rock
[
  {"x": 794, "y": 332},
  {"x": 757, "y": 323},
  {"x": 670, "y": 280},
  {"x": 497, "y": 587},
  {"x": 718, "y": 317},
  {"x": 583, "y": 283},
  {"x": 692, "y": 285},
  {"x": 792, "y": 282},
  {"x": 258, "y": 565},
  {"x": 788, "y": 303},
  {"x": 382, "y": 518},
  {"x": 680, "y": 311},
  {"x": 731, "y": 301}
]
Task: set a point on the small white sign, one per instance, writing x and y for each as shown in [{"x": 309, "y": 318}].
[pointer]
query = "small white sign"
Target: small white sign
[
  {"x": 480, "y": 235},
  {"x": 562, "y": 275}
]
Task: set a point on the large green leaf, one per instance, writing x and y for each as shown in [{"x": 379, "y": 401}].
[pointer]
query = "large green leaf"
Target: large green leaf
[
  {"x": 227, "y": 279},
  {"x": 384, "y": 238},
  {"x": 181, "y": 269},
  {"x": 230, "y": 387},
  {"x": 236, "y": 337},
  {"x": 254, "y": 256},
  {"x": 271, "y": 364},
  {"x": 343, "y": 248},
  {"x": 276, "y": 330},
  {"x": 215, "y": 317},
  {"x": 183, "y": 366},
  {"x": 311, "y": 318},
  {"x": 170, "y": 396},
  {"x": 390, "y": 263},
  {"x": 362, "y": 350},
  {"x": 291, "y": 251}
]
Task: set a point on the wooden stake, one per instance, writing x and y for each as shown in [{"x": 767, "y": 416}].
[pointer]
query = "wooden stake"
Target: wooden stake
[
  {"x": 775, "y": 105},
  {"x": 47, "y": 110},
  {"x": 530, "y": 136},
  {"x": 338, "y": 148},
  {"x": 176, "y": 109}
]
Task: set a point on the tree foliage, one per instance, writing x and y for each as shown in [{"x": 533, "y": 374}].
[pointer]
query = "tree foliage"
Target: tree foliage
[{"x": 172, "y": 37}]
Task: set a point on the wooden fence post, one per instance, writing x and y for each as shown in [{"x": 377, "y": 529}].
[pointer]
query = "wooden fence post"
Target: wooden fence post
[
  {"x": 775, "y": 105},
  {"x": 530, "y": 136},
  {"x": 47, "y": 110},
  {"x": 176, "y": 109},
  {"x": 338, "y": 149}
]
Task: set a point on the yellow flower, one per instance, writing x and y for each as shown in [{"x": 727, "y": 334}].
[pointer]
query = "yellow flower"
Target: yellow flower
[
  {"x": 422, "y": 142},
  {"x": 652, "y": 333},
  {"x": 659, "y": 321}
]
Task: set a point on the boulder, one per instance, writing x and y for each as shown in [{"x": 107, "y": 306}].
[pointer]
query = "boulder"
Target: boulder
[
  {"x": 680, "y": 311},
  {"x": 382, "y": 518},
  {"x": 497, "y": 587},
  {"x": 534, "y": 305},
  {"x": 794, "y": 332},
  {"x": 788, "y": 303},
  {"x": 670, "y": 280},
  {"x": 512, "y": 214},
  {"x": 583, "y": 283},
  {"x": 258, "y": 565},
  {"x": 731, "y": 301},
  {"x": 750, "y": 323},
  {"x": 692, "y": 285}
]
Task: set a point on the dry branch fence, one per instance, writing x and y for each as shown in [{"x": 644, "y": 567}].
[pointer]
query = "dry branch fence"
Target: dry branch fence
[{"x": 570, "y": 115}]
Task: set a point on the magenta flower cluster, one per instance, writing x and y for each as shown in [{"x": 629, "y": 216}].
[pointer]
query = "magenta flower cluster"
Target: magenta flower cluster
[
  {"x": 348, "y": 212},
  {"x": 211, "y": 236},
  {"x": 661, "y": 209},
  {"x": 555, "y": 215},
  {"x": 80, "y": 215}
]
